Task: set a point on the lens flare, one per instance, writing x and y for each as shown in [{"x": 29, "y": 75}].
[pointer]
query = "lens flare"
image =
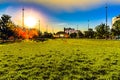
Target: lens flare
[{"x": 30, "y": 22}]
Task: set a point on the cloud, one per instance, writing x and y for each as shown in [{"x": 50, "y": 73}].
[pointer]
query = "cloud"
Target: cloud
[
  {"x": 68, "y": 5},
  {"x": 72, "y": 5}
]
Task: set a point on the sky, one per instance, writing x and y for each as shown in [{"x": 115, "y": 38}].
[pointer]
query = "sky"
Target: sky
[{"x": 54, "y": 15}]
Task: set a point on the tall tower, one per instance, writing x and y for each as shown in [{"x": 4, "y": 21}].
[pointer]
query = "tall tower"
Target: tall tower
[
  {"x": 88, "y": 24},
  {"x": 77, "y": 32},
  {"x": 39, "y": 26},
  {"x": 46, "y": 28},
  {"x": 106, "y": 14},
  {"x": 23, "y": 17}
]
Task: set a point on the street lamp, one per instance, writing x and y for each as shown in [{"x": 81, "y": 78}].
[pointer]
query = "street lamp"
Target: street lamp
[
  {"x": 39, "y": 26},
  {"x": 88, "y": 24},
  {"x": 106, "y": 14},
  {"x": 23, "y": 17}
]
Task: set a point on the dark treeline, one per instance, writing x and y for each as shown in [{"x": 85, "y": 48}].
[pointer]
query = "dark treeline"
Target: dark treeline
[
  {"x": 10, "y": 31},
  {"x": 101, "y": 32}
]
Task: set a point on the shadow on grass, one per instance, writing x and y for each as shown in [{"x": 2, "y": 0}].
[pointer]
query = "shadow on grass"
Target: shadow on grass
[
  {"x": 20, "y": 40},
  {"x": 9, "y": 41}
]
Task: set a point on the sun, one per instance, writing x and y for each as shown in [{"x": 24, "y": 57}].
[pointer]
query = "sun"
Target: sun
[{"x": 30, "y": 22}]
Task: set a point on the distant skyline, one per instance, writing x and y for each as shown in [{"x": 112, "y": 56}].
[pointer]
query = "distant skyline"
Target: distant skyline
[{"x": 60, "y": 13}]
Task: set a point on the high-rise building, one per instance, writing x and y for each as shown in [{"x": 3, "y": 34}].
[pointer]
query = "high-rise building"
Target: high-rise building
[{"x": 114, "y": 19}]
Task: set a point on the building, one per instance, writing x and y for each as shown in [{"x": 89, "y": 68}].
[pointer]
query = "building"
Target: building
[
  {"x": 70, "y": 30},
  {"x": 114, "y": 19},
  {"x": 61, "y": 34}
]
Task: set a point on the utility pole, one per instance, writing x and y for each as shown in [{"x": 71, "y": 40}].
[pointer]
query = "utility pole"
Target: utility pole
[
  {"x": 39, "y": 26},
  {"x": 53, "y": 30},
  {"x": 47, "y": 28},
  {"x": 106, "y": 15},
  {"x": 88, "y": 24},
  {"x": 23, "y": 17},
  {"x": 77, "y": 27},
  {"x": 106, "y": 18},
  {"x": 77, "y": 32}
]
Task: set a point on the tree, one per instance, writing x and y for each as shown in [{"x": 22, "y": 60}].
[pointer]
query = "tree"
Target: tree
[
  {"x": 6, "y": 27},
  {"x": 39, "y": 33},
  {"x": 26, "y": 33},
  {"x": 81, "y": 35},
  {"x": 73, "y": 35},
  {"x": 33, "y": 33},
  {"x": 89, "y": 34},
  {"x": 47, "y": 35},
  {"x": 18, "y": 32},
  {"x": 102, "y": 31}
]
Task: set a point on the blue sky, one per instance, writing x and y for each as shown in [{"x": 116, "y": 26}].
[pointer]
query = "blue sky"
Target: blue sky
[{"x": 60, "y": 13}]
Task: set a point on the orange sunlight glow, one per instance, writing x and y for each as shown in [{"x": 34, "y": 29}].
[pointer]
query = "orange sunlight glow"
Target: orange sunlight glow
[{"x": 31, "y": 18}]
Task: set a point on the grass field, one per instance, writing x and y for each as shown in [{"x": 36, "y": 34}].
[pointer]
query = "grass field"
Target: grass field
[{"x": 61, "y": 59}]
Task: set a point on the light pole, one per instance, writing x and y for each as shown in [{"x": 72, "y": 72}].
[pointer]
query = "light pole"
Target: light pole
[
  {"x": 77, "y": 32},
  {"x": 53, "y": 30},
  {"x": 46, "y": 28},
  {"x": 77, "y": 27},
  {"x": 23, "y": 17},
  {"x": 88, "y": 24},
  {"x": 39, "y": 26},
  {"x": 106, "y": 18},
  {"x": 106, "y": 15}
]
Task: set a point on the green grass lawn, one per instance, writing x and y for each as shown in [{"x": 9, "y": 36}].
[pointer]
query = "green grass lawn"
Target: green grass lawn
[{"x": 61, "y": 59}]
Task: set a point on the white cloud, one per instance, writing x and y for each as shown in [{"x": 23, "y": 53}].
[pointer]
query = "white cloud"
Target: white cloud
[
  {"x": 71, "y": 5},
  {"x": 68, "y": 5}
]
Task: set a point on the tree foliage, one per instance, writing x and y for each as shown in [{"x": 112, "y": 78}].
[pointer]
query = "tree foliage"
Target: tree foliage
[
  {"x": 102, "y": 31},
  {"x": 33, "y": 33},
  {"x": 89, "y": 34},
  {"x": 81, "y": 35},
  {"x": 6, "y": 27},
  {"x": 47, "y": 35},
  {"x": 26, "y": 33},
  {"x": 73, "y": 35}
]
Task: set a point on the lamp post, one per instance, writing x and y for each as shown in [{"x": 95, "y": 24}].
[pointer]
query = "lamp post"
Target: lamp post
[
  {"x": 53, "y": 30},
  {"x": 88, "y": 24},
  {"x": 106, "y": 18},
  {"x": 23, "y": 17},
  {"x": 39, "y": 26},
  {"x": 106, "y": 14},
  {"x": 46, "y": 28},
  {"x": 77, "y": 32}
]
